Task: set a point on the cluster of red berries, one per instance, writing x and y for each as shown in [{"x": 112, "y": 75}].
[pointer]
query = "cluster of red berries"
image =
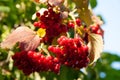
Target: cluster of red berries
[
  {"x": 31, "y": 61},
  {"x": 72, "y": 25},
  {"x": 71, "y": 52},
  {"x": 96, "y": 29},
  {"x": 51, "y": 21}
]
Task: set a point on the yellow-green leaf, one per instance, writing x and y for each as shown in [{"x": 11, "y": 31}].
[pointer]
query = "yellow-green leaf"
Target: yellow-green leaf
[
  {"x": 84, "y": 12},
  {"x": 95, "y": 47},
  {"x": 41, "y": 32}
]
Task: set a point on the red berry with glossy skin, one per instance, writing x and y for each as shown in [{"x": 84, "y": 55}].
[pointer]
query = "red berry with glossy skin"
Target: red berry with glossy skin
[
  {"x": 94, "y": 28},
  {"x": 78, "y": 22},
  {"x": 37, "y": 24},
  {"x": 37, "y": 14},
  {"x": 97, "y": 30},
  {"x": 45, "y": 13},
  {"x": 71, "y": 25}
]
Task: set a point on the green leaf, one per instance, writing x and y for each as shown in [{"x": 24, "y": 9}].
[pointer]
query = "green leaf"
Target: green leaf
[
  {"x": 4, "y": 9},
  {"x": 3, "y": 54},
  {"x": 68, "y": 73},
  {"x": 95, "y": 47},
  {"x": 93, "y": 3},
  {"x": 71, "y": 33},
  {"x": 4, "y": 0},
  {"x": 2, "y": 77}
]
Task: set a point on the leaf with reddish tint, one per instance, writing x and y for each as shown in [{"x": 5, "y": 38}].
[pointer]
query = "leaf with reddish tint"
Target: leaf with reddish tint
[
  {"x": 31, "y": 44},
  {"x": 64, "y": 14},
  {"x": 55, "y": 2},
  {"x": 95, "y": 47},
  {"x": 26, "y": 37},
  {"x": 40, "y": 1},
  {"x": 51, "y": 2}
]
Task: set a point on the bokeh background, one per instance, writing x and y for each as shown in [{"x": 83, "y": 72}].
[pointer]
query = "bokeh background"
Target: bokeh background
[
  {"x": 110, "y": 11},
  {"x": 16, "y": 12}
]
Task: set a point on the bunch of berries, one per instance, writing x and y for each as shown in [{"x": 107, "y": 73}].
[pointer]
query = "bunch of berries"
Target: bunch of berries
[
  {"x": 31, "y": 61},
  {"x": 51, "y": 21},
  {"x": 96, "y": 29},
  {"x": 71, "y": 52},
  {"x": 72, "y": 25}
]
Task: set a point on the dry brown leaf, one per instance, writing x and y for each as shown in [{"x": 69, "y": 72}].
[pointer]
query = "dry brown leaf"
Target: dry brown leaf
[
  {"x": 95, "y": 47},
  {"x": 26, "y": 37}
]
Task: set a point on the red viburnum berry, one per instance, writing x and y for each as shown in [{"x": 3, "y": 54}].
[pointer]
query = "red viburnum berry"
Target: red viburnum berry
[
  {"x": 78, "y": 22},
  {"x": 37, "y": 14},
  {"x": 71, "y": 24},
  {"x": 37, "y": 24},
  {"x": 94, "y": 28}
]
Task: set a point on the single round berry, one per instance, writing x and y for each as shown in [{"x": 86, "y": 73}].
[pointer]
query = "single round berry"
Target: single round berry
[
  {"x": 78, "y": 21},
  {"x": 70, "y": 24},
  {"x": 99, "y": 32},
  {"x": 45, "y": 13},
  {"x": 38, "y": 14},
  {"x": 94, "y": 28},
  {"x": 37, "y": 24}
]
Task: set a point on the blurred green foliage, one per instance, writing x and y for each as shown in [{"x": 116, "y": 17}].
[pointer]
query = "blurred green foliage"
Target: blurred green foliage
[
  {"x": 93, "y": 3},
  {"x": 17, "y": 12}
]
